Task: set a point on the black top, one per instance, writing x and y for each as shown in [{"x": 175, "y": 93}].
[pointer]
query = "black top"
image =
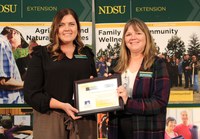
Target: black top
[
  {"x": 22, "y": 64},
  {"x": 47, "y": 78},
  {"x": 185, "y": 63}
]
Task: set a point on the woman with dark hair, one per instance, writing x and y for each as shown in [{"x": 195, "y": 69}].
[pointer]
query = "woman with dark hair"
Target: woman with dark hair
[
  {"x": 49, "y": 82},
  {"x": 9, "y": 129},
  {"x": 169, "y": 131}
]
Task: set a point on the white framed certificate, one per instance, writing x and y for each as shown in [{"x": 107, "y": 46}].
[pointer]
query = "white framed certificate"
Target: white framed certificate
[{"x": 98, "y": 95}]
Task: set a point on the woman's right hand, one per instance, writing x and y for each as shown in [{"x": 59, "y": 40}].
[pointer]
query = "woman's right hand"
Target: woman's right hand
[
  {"x": 122, "y": 92},
  {"x": 71, "y": 111}
]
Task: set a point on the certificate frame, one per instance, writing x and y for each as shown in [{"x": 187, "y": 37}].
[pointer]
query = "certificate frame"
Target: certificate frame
[{"x": 98, "y": 95}]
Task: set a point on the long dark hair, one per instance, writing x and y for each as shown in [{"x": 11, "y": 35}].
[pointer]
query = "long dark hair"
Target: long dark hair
[{"x": 54, "y": 47}]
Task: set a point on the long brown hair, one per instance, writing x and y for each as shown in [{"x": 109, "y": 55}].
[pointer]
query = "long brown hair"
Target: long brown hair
[
  {"x": 149, "y": 51},
  {"x": 54, "y": 47}
]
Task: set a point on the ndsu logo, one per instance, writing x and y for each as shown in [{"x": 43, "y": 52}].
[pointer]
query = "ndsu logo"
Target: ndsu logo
[
  {"x": 112, "y": 9},
  {"x": 8, "y": 8}
]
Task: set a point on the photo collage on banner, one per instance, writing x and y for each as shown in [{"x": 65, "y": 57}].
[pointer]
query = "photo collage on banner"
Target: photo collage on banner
[
  {"x": 176, "y": 36},
  {"x": 177, "y": 116},
  {"x": 31, "y": 23},
  {"x": 18, "y": 120}
]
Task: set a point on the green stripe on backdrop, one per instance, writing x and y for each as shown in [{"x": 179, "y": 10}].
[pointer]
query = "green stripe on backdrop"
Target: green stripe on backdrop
[
  {"x": 112, "y": 11},
  {"x": 42, "y": 10},
  {"x": 166, "y": 10}
]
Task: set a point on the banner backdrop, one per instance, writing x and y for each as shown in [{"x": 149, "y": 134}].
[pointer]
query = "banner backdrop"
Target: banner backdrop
[
  {"x": 42, "y": 10},
  {"x": 175, "y": 27},
  {"x": 32, "y": 19},
  {"x": 174, "y": 34},
  {"x": 181, "y": 115}
]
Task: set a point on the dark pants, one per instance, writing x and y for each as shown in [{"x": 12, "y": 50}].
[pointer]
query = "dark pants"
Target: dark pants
[
  {"x": 186, "y": 76},
  {"x": 180, "y": 79}
]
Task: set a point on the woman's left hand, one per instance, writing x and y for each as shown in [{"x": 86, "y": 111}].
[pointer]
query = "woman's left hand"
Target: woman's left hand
[{"x": 122, "y": 93}]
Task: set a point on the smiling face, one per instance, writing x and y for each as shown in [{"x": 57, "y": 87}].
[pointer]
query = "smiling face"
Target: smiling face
[
  {"x": 135, "y": 39},
  {"x": 68, "y": 30},
  {"x": 184, "y": 117},
  {"x": 171, "y": 125}
]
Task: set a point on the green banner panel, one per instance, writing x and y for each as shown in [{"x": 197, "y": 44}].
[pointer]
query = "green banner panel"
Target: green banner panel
[
  {"x": 112, "y": 11},
  {"x": 42, "y": 10},
  {"x": 166, "y": 10}
]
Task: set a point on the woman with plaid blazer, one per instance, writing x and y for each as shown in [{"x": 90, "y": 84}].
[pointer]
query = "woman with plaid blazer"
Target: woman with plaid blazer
[{"x": 145, "y": 87}]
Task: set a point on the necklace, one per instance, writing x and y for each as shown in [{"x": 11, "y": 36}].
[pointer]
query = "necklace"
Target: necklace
[{"x": 126, "y": 78}]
